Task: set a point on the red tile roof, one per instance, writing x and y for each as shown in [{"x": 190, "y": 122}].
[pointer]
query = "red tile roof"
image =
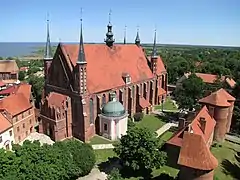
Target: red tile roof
[
  {"x": 208, "y": 78},
  {"x": 230, "y": 82},
  {"x": 160, "y": 65},
  {"x": 195, "y": 154},
  {"x": 25, "y": 89},
  {"x": 161, "y": 91},
  {"x": 196, "y": 128},
  {"x": 9, "y": 90},
  {"x": 15, "y": 104},
  {"x": 218, "y": 98},
  {"x": 144, "y": 103},
  {"x": 56, "y": 99},
  {"x": 4, "y": 123},
  {"x": 2, "y": 83},
  {"x": 224, "y": 93},
  {"x": 9, "y": 66},
  {"x": 105, "y": 66}
]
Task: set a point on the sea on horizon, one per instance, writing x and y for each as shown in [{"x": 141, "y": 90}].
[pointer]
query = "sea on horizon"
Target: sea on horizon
[{"x": 18, "y": 49}]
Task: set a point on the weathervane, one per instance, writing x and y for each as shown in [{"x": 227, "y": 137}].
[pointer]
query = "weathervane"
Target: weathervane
[
  {"x": 47, "y": 17},
  {"x": 137, "y": 28}
]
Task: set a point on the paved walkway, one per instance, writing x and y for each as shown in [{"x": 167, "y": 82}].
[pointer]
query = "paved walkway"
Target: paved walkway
[
  {"x": 165, "y": 128},
  {"x": 232, "y": 138},
  {"x": 102, "y": 146},
  {"x": 95, "y": 174}
]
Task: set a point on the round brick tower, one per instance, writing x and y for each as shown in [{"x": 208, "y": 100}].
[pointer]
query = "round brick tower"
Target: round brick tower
[
  {"x": 221, "y": 110},
  {"x": 231, "y": 101},
  {"x": 221, "y": 117}
]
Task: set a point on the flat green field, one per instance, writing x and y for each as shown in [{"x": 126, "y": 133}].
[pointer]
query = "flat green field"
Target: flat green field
[
  {"x": 228, "y": 168},
  {"x": 151, "y": 121}
]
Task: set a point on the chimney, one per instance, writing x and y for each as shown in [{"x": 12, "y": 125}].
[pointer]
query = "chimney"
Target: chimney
[
  {"x": 127, "y": 78},
  {"x": 190, "y": 130},
  {"x": 202, "y": 122},
  {"x": 181, "y": 123}
]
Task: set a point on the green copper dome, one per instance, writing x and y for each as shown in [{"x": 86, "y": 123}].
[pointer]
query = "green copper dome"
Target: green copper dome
[{"x": 113, "y": 108}]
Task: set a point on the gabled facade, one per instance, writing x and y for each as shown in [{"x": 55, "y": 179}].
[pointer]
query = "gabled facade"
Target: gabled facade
[
  {"x": 86, "y": 74},
  {"x": 6, "y": 133}
]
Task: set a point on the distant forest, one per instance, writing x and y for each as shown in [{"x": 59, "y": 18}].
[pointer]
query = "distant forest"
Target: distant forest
[{"x": 179, "y": 59}]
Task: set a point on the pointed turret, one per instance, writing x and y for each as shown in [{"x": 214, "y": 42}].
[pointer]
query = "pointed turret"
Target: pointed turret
[
  {"x": 109, "y": 35},
  {"x": 47, "y": 54},
  {"x": 154, "y": 51},
  {"x": 125, "y": 34},
  {"x": 48, "y": 49},
  {"x": 154, "y": 56},
  {"x": 137, "y": 39},
  {"x": 81, "y": 67},
  {"x": 81, "y": 54}
]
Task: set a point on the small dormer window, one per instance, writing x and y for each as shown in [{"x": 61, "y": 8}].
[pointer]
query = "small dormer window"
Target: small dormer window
[{"x": 127, "y": 78}]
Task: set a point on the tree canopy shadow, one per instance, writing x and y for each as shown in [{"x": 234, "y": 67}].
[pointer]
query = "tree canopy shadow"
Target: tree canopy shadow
[
  {"x": 109, "y": 165},
  {"x": 230, "y": 168},
  {"x": 167, "y": 116}
]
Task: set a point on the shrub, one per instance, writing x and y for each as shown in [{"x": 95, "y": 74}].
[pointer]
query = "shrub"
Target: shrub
[
  {"x": 131, "y": 124},
  {"x": 138, "y": 116},
  {"x": 114, "y": 175}
]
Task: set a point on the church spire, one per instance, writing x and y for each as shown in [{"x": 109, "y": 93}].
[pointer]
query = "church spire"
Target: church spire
[
  {"x": 109, "y": 35},
  {"x": 154, "y": 51},
  {"x": 48, "y": 49},
  {"x": 81, "y": 54},
  {"x": 125, "y": 35},
  {"x": 137, "y": 40}
]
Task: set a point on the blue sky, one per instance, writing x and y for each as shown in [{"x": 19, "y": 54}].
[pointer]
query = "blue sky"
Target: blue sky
[{"x": 203, "y": 22}]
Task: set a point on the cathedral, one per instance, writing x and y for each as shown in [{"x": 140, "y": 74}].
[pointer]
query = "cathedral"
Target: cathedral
[{"x": 80, "y": 78}]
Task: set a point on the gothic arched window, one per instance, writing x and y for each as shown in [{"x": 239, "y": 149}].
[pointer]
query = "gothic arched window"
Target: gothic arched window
[
  {"x": 163, "y": 82},
  {"x": 91, "y": 111},
  {"x": 103, "y": 100}
]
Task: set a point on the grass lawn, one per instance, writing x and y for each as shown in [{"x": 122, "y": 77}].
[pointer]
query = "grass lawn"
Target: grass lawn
[
  {"x": 99, "y": 140},
  {"x": 166, "y": 136},
  {"x": 151, "y": 121},
  {"x": 227, "y": 151},
  {"x": 167, "y": 105},
  {"x": 102, "y": 155}
]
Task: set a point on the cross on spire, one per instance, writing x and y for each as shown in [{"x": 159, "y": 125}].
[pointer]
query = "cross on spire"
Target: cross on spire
[
  {"x": 81, "y": 15},
  {"x": 81, "y": 53},
  {"x": 109, "y": 14}
]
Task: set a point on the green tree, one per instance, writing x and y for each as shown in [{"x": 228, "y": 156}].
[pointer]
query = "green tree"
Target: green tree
[
  {"x": 37, "y": 87},
  {"x": 139, "y": 149},
  {"x": 36, "y": 162},
  {"x": 191, "y": 91},
  {"x": 114, "y": 175},
  {"x": 1, "y": 58},
  {"x": 21, "y": 75}
]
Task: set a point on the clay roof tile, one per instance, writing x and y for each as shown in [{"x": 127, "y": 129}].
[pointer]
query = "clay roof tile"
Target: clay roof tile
[
  {"x": 15, "y": 104},
  {"x": 195, "y": 154},
  {"x": 105, "y": 65},
  {"x": 217, "y": 98},
  {"x": 4, "y": 123}
]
